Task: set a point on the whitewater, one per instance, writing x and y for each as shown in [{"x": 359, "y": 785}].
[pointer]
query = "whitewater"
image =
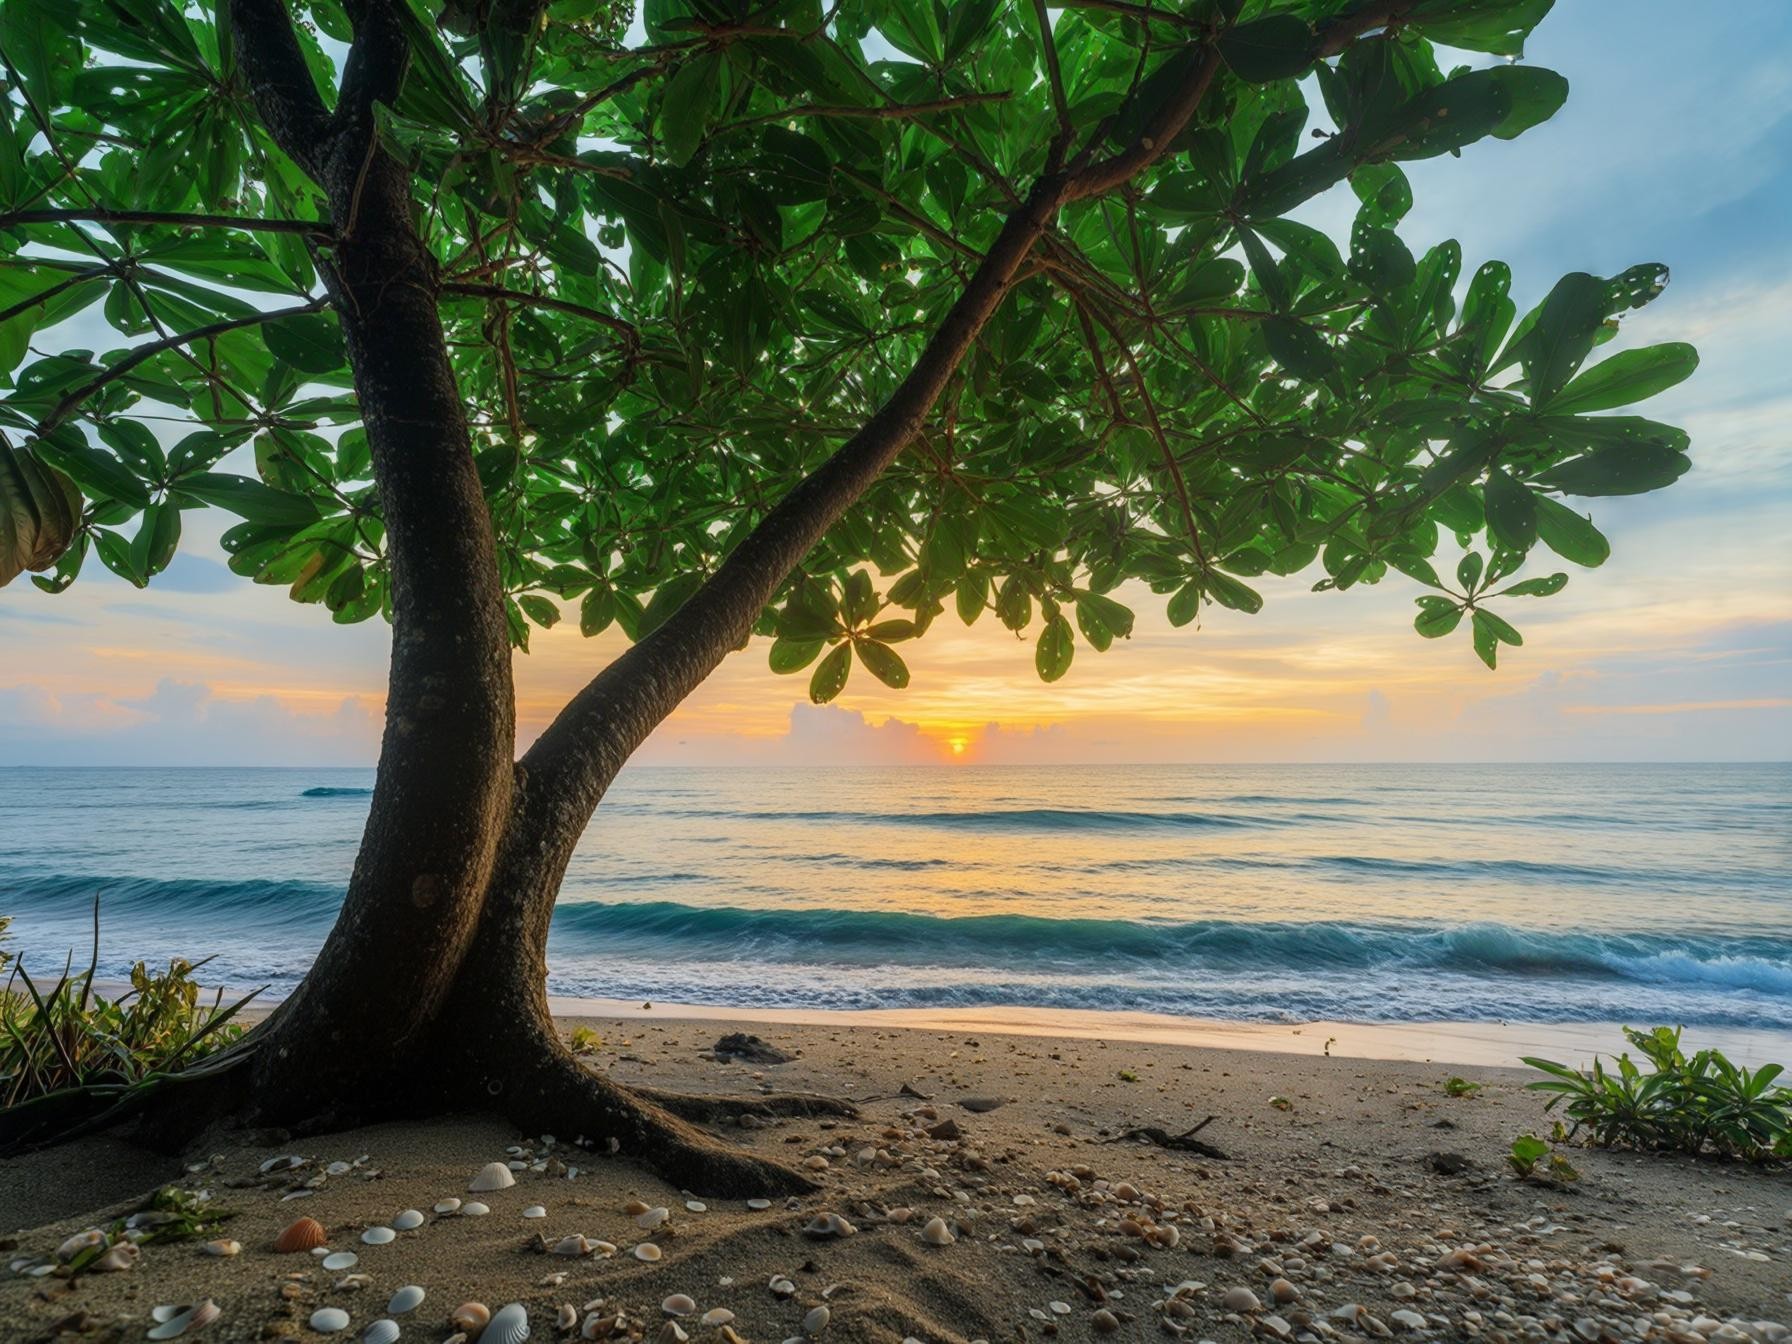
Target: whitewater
[{"x": 1522, "y": 893}]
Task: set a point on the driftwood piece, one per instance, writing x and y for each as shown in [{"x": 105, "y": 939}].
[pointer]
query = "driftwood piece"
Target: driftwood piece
[{"x": 1185, "y": 1142}]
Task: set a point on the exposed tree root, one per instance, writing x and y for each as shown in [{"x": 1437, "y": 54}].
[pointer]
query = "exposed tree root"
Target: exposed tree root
[
  {"x": 1185, "y": 1142},
  {"x": 553, "y": 1093},
  {"x": 708, "y": 1110}
]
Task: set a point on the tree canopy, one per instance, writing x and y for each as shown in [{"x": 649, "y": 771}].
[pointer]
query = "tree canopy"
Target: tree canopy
[{"x": 677, "y": 269}]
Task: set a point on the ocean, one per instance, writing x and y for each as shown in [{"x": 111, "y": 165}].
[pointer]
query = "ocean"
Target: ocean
[{"x": 1526, "y": 893}]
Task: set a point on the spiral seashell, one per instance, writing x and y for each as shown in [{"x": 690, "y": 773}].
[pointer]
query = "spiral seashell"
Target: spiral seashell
[
  {"x": 406, "y": 1299},
  {"x": 329, "y": 1320},
  {"x": 509, "y": 1325},
  {"x": 382, "y": 1331},
  {"x": 307, "y": 1234},
  {"x": 408, "y": 1219},
  {"x": 492, "y": 1176},
  {"x": 470, "y": 1317}
]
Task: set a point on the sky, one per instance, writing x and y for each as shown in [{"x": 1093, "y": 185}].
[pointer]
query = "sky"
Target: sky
[{"x": 1675, "y": 146}]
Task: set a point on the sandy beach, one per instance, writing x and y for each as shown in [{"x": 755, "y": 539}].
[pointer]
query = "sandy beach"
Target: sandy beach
[{"x": 1357, "y": 1199}]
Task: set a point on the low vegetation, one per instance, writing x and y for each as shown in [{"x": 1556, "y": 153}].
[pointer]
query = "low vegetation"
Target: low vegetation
[
  {"x": 71, "y": 1039},
  {"x": 1532, "y": 1159},
  {"x": 1700, "y": 1103}
]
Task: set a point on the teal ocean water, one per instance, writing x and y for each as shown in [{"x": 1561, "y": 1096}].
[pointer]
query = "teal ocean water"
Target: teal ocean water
[{"x": 1274, "y": 893}]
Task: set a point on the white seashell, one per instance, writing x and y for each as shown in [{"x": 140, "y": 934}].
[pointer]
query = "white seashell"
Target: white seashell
[
  {"x": 603, "y": 1249},
  {"x": 82, "y": 1241},
  {"x": 473, "y": 1209},
  {"x": 573, "y": 1246},
  {"x": 121, "y": 1257},
  {"x": 647, "y": 1251},
  {"x": 379, "y": 1236},
  {"x": 380, "y": 1332},
  {"x": 535, "y": 1211},
  {"x": 450, "y": 1205},
  {"x": 696, "y": 1206},
  {"x": 284, "y": 1163},
  {"x": 717, "y": 1316},
  {"x": 816, "y": 1321},
  {"x": 173, "y": 1322},
  {"x": 568, "y": 1318},
  {"x": 828, "y": 1225},
  {"x": 408, "y": 1298},
  {"x": 936, "y": 1233},
  {"x": 339, "y": 1169},
  {"x": 352, "y": 1283},
  {"x": 341, "y": 1260},
  {"x": 652, "y": 1218},
  {"x": 781, "y": 1286},
  {"x": 328, "y": 1320},
  {"x": 678, "y": 1305},
  {"x": 509, "y": 1325},
  {"x": 759, "y": 1203},
  {"x": 223, "y": 1246},
  {"x": 492, "y": 1176},
  {"x": 408, "y": 1219}
]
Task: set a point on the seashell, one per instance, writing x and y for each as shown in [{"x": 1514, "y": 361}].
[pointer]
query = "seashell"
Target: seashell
[
  {"x": 82, "y": 1241},
  {"x": 635, "y": 1207},
  {"x": 509, "y": 1325},
  {"x": 535, "y": 1211},
  {"x": 599, "y": 1327},
  {"x": 671, "y": 1333},
  {"x": 173, "y": 1322},
  {"x": 341, "y": 1260},
  {"x": 828, "y": 1225},
  {"x": 816, "y": 1163},
  {"x": 283, "y": 1163},
  {"x": 378, "y": 1236},
  {"x": 648, "y": 1219},
  {"x": 696, "y": 1206},
  {"x": 408, "y": 1219},
  {"x": 759, "y": 1204},
  {"x": 936, "y": 1233},
  {"x": 1241, "y": 1299},
  {"x": 470, "y": 1317},
  {"x": 406, "y": 1299},
  {"x": 781, "y": 1286},
  {"x": 329, "y": 1320},
  {"x": 603, "y": 1249},
  {"x": 717, "y": 1316},
  {"x": 568, "y": 1317},
  {"x": 575, "y": 1245},
  {"x": 816, "y": 1321},
  {"x": 492, "y": 1176},
  {"x": 339, "y": 1168},
  {"x": 449, "y": 1205},
  {"x": 474, "y": 1209},
  {"x": 121, "y": 1257},
  {"x": 353, "y": 1283},
  {"x": 647, "y": 1251},
  {"x": 678, "y": 1305},
  {"x": 223, "y": 1246},
  {"x": 382, "y": 1331},
  {"x": 307, "y": 1234}
]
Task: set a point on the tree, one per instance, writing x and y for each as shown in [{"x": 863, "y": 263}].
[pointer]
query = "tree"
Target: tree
[{"x": 780, "y": 322}]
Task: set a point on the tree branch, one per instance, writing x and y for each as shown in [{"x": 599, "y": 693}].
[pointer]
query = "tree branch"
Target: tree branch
[
  {"x": 280, "y": 82},
  {"x": 173, "y": 218},
  {"x": 150, "y": 349},
  {"x": 882, "y": 112},
  {"x": 627, "y": 330}
]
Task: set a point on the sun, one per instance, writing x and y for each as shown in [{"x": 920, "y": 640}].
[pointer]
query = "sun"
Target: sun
[{"x": 958, "y": 744}]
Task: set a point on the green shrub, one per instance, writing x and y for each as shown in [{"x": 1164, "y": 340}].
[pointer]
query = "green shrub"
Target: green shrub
[
  {"x": 1532, "y": 1160},
  {"x": 1689, "y": 1104},
  {"x": 1460, "y": 1087},
  {"x": 73, "y": 1038}
]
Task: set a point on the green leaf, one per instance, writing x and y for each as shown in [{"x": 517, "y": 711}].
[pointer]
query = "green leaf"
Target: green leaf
[
  {"x": 1299, "y": 349},
  {"x": 687, "y": 105},
  {"x": 310, "y": 342},
  {"x": 1229, "y": 592},
  {"x": 830, "y": 675},
  {"x": 1615, "y": 470},
  {"x": 1564, "y": 332},
  {"x": 793, "y": 655},
  {"x": 1437, "y": 617},
  {"x": 158, "y": 535},
  {"x": 1569, "y": 534},
  {"x": 247, "y": 498},
  {"x": 1277, "y": 47},
  {"x": 541, "y": 610},
  {"x": 1184, "y": 604},
  {"x": 1055, "y": 649},
  {"x": 1511, "y": 511},
  {"x": 1543, "y": 587},
  {"x": 1626, "y": 378},
  {"x": 597, "y": 611},
  {"x": 97, "y": 472},
  {"x": 882, "y": 662}
]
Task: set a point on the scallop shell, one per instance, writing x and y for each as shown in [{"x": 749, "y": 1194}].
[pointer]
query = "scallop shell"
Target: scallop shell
[
  {"x": 492, "y": 1176},
  {"x": 717, "y": 1316},
  {"x": 341, "y": 1260},
  {"x": 817, "y": 1320},
  {"x": 648, "y": 1219},
  {"x": 329, "y": 1320},
  {"x": 378, "y": 1236},
  {"x": 307, "y": 1234},
  {"x": 407, "y": 1298},
  {"x": 474, "y": 1209},
  {"x": 223, "y": 1246},
  {"x": 535, "y": 1211},
  {"x": 936, "y": 1233},
  {"x": 380, "y": 1332},
  {"x": 173, "y": 1322},
  {"x": 509, "y": 1325},
  {"x": 407, "y": 1219},
  {"x": 678, "y": 1305},
  {"x": 470, "y": 1317},
  {"x": 449, "y": 1205},
  {"x": 647, "y": 1251}
]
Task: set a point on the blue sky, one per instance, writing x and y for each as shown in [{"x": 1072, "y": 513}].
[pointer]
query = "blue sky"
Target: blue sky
[{"x": 1675, "y": 146}]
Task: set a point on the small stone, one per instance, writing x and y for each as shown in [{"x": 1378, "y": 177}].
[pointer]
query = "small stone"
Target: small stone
[{"x": 1241, "y": 1299}]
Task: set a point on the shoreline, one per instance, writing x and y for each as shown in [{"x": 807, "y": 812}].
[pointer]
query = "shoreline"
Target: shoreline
[{"x": 1480, "y": 1044}]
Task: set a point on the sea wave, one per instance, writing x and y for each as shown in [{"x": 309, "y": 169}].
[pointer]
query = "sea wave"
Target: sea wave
[
  {"x": 992, "y": 819},
  {"x": 332, "y": 791}
]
